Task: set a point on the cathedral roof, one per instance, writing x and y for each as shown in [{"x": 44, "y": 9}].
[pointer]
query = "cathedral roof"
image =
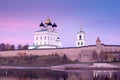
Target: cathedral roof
[
  {"x": 41, "y": 30},
  {"x": 82, "y": 32},
  {"x": 98, "y": 40},
  {"x": 54, "y": 25},
  {"x": 41, "y": 24}
]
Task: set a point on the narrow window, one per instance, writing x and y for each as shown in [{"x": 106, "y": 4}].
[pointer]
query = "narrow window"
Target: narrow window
[
  {"x": 45, "y": 37},
  {"x": 78, "y": 43},
  {"x": 36, "y": 38},
  {"x": 40, "y": 37},
  {"x": 80, "y": 37},
  {"x": 81, "y": 43},
  {"x": 48, "y": 37}
]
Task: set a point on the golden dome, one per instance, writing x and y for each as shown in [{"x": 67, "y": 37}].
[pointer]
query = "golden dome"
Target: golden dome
[{"x": 47, "y": 21}]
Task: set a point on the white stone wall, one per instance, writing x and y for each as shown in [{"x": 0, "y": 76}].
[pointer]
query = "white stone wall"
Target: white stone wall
[
  {"x": 46, "y": 38},
  {"x": 111, "y": 48}
]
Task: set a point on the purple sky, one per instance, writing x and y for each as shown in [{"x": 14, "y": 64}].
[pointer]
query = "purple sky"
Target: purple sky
[{"x": 20, "y": 18}]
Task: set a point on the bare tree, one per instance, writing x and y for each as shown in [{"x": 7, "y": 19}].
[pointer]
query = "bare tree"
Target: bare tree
[
  {"x": 8, "y": 46},
  {"x": 2, "y": 47},
  {"x": 19, "y": 47},
  {"x": 12, "y": 47},
  {"x": 25, "y": 47},
  {"x": 95, "y": 56}
]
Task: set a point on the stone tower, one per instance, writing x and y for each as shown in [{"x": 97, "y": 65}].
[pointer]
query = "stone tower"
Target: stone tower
[
  {"x": 98, "y": 45},
  {"x": 81, "y": 41}
]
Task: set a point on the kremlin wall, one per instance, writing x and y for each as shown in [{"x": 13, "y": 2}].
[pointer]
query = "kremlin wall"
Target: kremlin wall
[
  {"x": 82, "y": 54},
  {"x": 47, "y": 42}
]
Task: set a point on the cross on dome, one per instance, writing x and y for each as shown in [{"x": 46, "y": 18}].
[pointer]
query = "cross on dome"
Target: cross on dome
[{"x": 81, "y": 31}]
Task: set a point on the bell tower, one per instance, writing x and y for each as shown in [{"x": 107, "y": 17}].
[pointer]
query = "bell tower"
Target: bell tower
[{"x": 81, "y": 41}]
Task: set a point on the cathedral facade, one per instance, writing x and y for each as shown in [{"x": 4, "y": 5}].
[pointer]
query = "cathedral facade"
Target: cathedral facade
[{"x": 47, "y": 36}]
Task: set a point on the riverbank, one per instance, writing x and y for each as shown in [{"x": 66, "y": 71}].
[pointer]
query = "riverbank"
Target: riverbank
[
  {"x": 35, "y": 61},
  {"x": 53, "y": 62},
  {"x": 98, "y": 66},
  {"x": 22, "y": 67},
  {"x": 94, "y": 66}
]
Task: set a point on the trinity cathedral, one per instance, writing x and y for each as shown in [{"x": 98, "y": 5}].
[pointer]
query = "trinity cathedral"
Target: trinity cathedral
[{"x": 47, "y": 36}]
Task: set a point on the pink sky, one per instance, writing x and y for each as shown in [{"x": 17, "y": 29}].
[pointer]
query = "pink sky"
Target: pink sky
[{"x": 19, "y": 19}]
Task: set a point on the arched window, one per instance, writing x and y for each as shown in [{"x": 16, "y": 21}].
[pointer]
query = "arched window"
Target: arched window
[
  {"x": 40, "y": 37},
  {"x": 45, "y": 37},
  {"x": 36, "y": 38},
  {"x": 48, "y": 37},
  {"x": 80, "y": 37},
  {"x": 81, "y": 43},
  {"x": 78, "y": 43}
]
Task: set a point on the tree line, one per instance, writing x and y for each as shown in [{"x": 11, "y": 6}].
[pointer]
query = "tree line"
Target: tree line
[
  {"x": 106, "y": 56},
  {"x": 7, "y": 47}
]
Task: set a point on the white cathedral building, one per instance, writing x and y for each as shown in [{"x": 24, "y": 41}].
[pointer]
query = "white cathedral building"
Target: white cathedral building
[{"x": 46, "y": 36}]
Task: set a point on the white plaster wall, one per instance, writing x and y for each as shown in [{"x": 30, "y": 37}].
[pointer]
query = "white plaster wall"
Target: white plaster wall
[{"x": 51, "y": 38}]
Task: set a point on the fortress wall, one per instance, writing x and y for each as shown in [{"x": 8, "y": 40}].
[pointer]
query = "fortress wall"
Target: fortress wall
[
  {"x": 111, "y": 48},
  {"x": 71, "y": 53}
]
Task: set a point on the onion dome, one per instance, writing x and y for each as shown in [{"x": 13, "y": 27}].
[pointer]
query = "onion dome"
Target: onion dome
[
  {"x": 54, "y": 25},
  {"x": 47, "y": 21},
  {"x": 49, "y": 24},
  {"x": 41, "y": 24},
  {"x": 81, "y": 31}
]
